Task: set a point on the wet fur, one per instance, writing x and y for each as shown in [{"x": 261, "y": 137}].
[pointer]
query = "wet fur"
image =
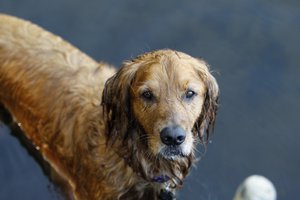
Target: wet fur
[{"x": 91, "y": 138}]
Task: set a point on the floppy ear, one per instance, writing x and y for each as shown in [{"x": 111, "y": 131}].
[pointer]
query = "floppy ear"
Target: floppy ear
[
  {"x": 206, "y": 121},
  {"x": 116, "y": 101}
]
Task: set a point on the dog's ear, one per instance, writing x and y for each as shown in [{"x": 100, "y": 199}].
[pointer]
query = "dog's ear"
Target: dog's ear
[
  {"x": 206, "y": 121},
  {"x": 116, "y": 101}
]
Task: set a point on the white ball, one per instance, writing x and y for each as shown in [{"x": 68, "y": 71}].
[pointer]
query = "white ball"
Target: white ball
[{"x": 256, "y": 187}]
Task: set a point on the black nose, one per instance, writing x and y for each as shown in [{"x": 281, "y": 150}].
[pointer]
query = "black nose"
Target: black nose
[{"x": 173, "y": 135}]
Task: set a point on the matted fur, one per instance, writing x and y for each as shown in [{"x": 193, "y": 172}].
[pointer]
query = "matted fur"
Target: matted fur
[{"x": 105, "y": 148}]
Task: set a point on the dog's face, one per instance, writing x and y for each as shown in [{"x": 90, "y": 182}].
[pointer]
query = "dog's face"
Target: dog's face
[
  {"x": 167, "y": 99},
  {"x": 172, "y": 96}
]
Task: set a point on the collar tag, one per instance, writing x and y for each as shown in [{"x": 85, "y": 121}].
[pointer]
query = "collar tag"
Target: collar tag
[{"x": 166, "y": 195}]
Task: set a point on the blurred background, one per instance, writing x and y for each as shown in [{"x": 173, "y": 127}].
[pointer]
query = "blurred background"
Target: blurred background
[{"x": 253, "y": 49}]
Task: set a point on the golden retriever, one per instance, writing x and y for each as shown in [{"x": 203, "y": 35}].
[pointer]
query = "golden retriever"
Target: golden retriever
[{"x": 129, "y": 134}]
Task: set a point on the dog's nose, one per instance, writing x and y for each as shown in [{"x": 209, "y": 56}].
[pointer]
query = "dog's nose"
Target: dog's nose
[{"x": 173, "y": 135}]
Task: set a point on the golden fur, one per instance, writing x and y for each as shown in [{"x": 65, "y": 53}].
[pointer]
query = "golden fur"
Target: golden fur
[{"x": 105, "y": 145}]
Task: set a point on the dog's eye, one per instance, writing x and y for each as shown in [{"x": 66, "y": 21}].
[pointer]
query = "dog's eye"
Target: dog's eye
[
  {"x": 147, "y": 95},
  {"x": 190, "y": 94}
]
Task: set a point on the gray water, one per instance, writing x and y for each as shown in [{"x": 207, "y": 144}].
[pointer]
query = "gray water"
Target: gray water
[{"x": 253, "y": 47}]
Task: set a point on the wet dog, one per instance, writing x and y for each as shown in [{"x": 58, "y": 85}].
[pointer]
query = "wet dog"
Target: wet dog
[{"x": 126, "y": 134}]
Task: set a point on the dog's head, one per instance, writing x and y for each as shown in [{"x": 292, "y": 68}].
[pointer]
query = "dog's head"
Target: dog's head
[{"x": 170, "y": 96}]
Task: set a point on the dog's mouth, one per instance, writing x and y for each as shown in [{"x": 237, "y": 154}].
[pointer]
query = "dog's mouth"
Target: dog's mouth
[{"x": 172, "y": 152}]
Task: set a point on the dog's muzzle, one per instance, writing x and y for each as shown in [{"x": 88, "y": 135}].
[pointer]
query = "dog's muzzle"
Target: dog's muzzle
[{"x": 172, "y": 137}]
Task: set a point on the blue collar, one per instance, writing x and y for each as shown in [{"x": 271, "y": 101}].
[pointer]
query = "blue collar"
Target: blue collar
[{"x": 160, "y": 179}]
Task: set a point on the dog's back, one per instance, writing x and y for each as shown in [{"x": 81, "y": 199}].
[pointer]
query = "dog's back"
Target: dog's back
[
  {"x": 45, "y": 82},
  {"x": 40, "y": 74}
]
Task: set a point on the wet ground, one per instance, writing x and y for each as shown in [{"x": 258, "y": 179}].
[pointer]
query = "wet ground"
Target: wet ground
[{"x": 253, "y": 47}]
